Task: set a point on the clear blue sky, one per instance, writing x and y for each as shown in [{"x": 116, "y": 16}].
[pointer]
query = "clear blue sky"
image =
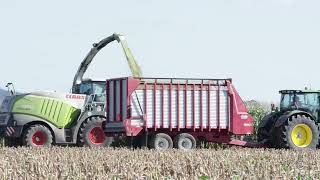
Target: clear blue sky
[{"x": 263, "y": 45}]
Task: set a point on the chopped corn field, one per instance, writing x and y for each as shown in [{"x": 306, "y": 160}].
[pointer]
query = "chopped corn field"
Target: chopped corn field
[{"x": 108, "y": 163}]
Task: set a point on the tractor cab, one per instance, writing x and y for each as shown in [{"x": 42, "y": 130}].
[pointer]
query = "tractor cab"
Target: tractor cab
[{"x": 304, "y": 100}]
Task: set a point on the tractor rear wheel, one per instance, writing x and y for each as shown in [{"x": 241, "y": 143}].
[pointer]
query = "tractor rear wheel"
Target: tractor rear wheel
[
  {"x": 161, "y": 141},
  {"x": 299, "y": 133},
  {"x": 91, "y": 133},
  {"x": 37, "y": 136},
  {"x": 184, "y": 141}
]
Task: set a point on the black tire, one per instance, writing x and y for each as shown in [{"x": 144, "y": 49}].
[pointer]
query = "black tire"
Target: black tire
[
  {"x": 37, "y": 136},
  {"x": 263, "y": 134},
  {"x": 161, "y": 141},
  {"x": 265, "y": 129},
  {"x": 308, "y": 140},
  {"x": 185, "y": 141},
  {"x": 91, "y": 133},
  {"x": 274, "y": 141}
]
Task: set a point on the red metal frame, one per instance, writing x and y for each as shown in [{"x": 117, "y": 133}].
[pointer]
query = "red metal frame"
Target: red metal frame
[
  {"x": 107, "y": 99},
  {"x": 145, "y": 106},
  {"x": 132, "y": 84},
  {"x": 178, "y": 107},
  {"x": 218, "y": 94},
  {"x": 209, "y": 102},
  {"x": 193, "y": 107},
  {"x": 121, "y": 105},
  {"x": 201, "y": 107},
  {"x": 162, "y": 106},
  {"x": 155, "y": 106},
  {"x": 185, "y": 105},
  {"x": 170, "y": 105},
  {"x": 237, "y": 110},
  {"x": 115, "y": 100}
]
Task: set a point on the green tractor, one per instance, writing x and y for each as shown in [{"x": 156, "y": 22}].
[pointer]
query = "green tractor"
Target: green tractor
[{"x": 296, "y": 124}]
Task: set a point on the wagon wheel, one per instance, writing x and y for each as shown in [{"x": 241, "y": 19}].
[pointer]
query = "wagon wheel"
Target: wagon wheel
[
  {"x": 185, "y": 141},
  {"x": 161, "y": 141}
]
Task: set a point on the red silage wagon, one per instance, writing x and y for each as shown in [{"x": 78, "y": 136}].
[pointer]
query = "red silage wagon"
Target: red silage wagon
[{"x": 176, "y": 112}]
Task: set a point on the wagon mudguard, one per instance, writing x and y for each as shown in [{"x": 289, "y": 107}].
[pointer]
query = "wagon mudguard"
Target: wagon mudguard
[{"x": 285, "y": 117}]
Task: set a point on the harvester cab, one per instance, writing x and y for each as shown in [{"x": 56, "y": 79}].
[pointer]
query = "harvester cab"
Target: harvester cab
[
  {"x": 96, "y": 90},
  {"x": 295, "y": 125}
]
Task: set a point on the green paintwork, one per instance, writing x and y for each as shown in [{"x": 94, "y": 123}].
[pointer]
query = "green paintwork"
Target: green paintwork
[
  {"x": 55, "y": 111},
  {"x": 134, "y": 67},
  {"x": 300, "y": 112}
]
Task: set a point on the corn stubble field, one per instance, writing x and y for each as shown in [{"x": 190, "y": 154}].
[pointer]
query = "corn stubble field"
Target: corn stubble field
[
  {"x": 108, "y": 163},
  {"x": 212, "y": 162}
]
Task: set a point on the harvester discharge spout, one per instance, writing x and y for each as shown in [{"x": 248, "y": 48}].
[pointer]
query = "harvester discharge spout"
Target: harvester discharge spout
[{"x": 134, "y": 67}]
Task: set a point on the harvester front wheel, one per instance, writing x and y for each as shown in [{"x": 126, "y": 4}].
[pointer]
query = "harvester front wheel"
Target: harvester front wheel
[
  {"x": 299, "y": 133},
  {"x": 184, "y": 141},
  {"x": 161, "y": 141},
  {"x": 91, "y": 133},
  {"x": 37, "y": 136}
]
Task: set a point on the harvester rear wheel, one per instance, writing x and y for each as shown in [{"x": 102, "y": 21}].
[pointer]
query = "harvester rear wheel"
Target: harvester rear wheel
[
  {"x": 184, "y": 141},
  {"x": 161, "y": 141},
  {"x": 91, "y": 133},
  {"x": 299, "y": 133},
  {"x": 37, "y": 136}
]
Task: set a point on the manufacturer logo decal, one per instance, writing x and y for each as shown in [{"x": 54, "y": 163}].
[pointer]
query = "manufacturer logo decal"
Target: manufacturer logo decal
[
  {"x": 75, "y": 96},
  {"x": 25, "y": 107}
]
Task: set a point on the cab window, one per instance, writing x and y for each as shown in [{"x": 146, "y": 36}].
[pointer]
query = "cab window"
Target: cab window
[
  {"x": 99, "y": 88},
  {"x": 86, "y": 88}
]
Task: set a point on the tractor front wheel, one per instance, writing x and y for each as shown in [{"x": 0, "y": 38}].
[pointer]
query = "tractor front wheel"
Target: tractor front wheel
[{"x": 299, "y": 133}]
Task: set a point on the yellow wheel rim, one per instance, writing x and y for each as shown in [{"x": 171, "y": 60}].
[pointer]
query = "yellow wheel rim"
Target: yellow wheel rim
[{"x": 301, "y": 135}]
